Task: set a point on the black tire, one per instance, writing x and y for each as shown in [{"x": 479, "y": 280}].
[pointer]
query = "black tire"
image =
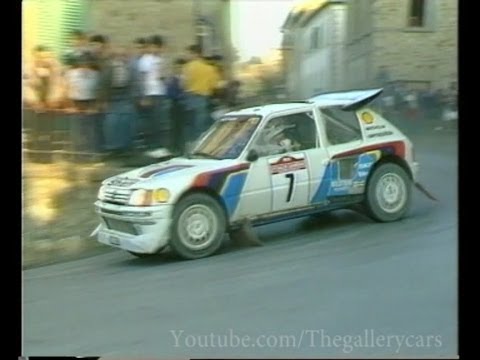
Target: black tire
[
  {"x": 144, "y": 255},
  {"x": 208, "y": 222},
  {"x": 400, "y": 184},
  {"x": 141, "y": 255}
]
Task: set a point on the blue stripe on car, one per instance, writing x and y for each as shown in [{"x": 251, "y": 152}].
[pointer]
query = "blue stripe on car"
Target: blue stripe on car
[
  {"x": 325, "y": 185},
  {"x": 232, "y": 191}
]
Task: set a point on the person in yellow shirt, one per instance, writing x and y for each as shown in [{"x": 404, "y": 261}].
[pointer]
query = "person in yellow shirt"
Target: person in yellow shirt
[
  {"x": 200, "y": 80},
  {"x": 217, "y": 99}
]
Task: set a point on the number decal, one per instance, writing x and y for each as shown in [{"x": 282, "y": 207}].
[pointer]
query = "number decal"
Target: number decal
[{"x": 290, "y": 187}]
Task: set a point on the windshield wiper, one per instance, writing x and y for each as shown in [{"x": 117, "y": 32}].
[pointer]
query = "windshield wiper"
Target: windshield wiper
[{"x": 203, "y": 154}]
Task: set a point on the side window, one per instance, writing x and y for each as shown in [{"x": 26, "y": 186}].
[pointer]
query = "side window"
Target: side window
[
  {"x": 341, "y": 126},
  {"x": 287, "y": 133}
]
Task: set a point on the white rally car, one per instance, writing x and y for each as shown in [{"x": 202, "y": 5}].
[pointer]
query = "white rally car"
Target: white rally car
[{"x": 261, "y": 165}]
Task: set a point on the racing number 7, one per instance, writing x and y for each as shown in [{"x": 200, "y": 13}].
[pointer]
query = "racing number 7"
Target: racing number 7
[{"x": 291, "y": 177}]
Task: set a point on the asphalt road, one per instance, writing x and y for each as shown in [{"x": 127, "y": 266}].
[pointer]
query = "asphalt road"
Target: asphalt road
[{"x": 382, "y": 289}]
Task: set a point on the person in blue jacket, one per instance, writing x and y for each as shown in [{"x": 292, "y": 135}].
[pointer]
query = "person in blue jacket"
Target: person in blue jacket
[{"x": 176, "y": 94}]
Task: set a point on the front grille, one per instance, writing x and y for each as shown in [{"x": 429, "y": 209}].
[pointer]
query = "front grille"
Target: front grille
[
  {"x": 117, "y": 196},
  {"x": 122, "y": 182},
  {"x": 126, "y": 213},
  {"x": 120, "y": 226}
]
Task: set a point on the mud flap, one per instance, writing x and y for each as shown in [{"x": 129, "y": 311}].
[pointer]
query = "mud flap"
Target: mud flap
[
  {"x": 95, "y": 232},
  {"x": 245, "y": 235},
  {"x": 425, "y": 192}
]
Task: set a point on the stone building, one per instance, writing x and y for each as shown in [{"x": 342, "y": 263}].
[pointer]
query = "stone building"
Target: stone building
[
  {"x": 370, "y": 43},
  {"x": 313, "y": 47},
  {"x": 180, "y": 22},
  {"x": 413, "y": 41}
]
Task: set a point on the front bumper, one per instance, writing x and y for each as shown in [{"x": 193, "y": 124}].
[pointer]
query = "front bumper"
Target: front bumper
[{"x": 148, "y": 227}]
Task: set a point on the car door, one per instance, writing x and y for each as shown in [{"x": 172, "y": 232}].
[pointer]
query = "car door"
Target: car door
[
  {"x": 348, "y": 166},
  {"x": 289, "y": 157}
]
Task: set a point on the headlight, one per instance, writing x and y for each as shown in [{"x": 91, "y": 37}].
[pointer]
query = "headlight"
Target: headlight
[
  {"x": 141, "y": 198},
  {"x": 101, "y": 193},
  {"x": 149, "y": 197},
  {"x": 161, "y": 195}
]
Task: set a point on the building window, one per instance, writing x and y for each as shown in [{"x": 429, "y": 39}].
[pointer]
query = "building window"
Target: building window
[
  {"x": 354, "y": 19},
  {"x": 314, "y": 38},
  {"x": 416, "y": 13}
]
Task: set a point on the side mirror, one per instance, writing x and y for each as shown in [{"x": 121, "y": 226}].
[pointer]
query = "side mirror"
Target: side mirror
[{"x": 252, "y": 155}]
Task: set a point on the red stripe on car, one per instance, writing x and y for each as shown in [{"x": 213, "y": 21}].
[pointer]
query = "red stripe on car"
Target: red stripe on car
[
  {"x": 203, "y": 179},
  {"x": 398, "y": 149}
]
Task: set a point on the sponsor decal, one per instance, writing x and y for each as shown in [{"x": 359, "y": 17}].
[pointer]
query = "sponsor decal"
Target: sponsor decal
[
  {"x": 359, "y": 184},
  {"x": 380, "y": 134},
  {"x": 375, "y": 127},
  {"x": 351, "y": 180},
  {"x": 287, "y": 164},
  {"x": 341, "y": 184},
  {"x": 367, "y": 117},
  {"x": 366, "y": 165},
  {"x": 114, "y": 240}
]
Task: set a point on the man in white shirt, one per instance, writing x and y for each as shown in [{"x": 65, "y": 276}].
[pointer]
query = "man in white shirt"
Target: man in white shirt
[
  {"x": 81, "y": 87},
  {"x": 152, "y": 67}
]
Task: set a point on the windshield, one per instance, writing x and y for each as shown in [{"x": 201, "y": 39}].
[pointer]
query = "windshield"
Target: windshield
[{"x": 228, "y": 137}]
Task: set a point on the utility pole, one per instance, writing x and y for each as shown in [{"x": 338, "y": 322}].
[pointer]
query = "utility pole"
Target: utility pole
[{"x": 198, "y": 23}]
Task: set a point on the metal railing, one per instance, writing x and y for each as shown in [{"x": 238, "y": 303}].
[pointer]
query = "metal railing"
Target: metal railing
[{"x": 51, "y": 134}]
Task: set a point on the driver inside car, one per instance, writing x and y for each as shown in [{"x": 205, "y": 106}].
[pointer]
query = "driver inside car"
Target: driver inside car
[{"x": 275, "y": 140}]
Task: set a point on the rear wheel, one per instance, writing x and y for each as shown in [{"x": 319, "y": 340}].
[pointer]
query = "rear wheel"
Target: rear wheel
[
  {"x": 388, "y": 194},
  {"x": 198, "y": 227}
]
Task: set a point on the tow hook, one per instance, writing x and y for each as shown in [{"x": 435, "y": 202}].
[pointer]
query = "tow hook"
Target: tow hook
[{"x": 95, "y": 232}]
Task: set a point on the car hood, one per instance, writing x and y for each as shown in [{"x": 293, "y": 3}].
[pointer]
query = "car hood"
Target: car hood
[{"x": 169, "y": 172}]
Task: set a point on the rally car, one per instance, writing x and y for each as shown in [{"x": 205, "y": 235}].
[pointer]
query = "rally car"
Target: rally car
[{"x": 261, "y": 165}]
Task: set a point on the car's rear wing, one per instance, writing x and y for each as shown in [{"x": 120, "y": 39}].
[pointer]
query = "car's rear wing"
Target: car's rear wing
[{"x": 348, "y": 100}]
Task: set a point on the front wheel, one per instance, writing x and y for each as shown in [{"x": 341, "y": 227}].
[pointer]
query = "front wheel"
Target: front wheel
[
  {"x": 388, "y": 194},
  {"x": 198, "y": 227}
]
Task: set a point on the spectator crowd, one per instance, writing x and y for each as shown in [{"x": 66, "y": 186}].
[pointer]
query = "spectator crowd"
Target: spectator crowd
[
  {"x": 119, "y": 99},
  {"x": 399, "y": 101}
]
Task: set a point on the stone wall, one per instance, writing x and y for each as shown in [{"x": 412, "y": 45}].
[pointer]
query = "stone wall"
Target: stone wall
[
  {"x": 125, "y": 20},
  {"x": 427, "y": 54},
  {"x": 412, "y": 54}
]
